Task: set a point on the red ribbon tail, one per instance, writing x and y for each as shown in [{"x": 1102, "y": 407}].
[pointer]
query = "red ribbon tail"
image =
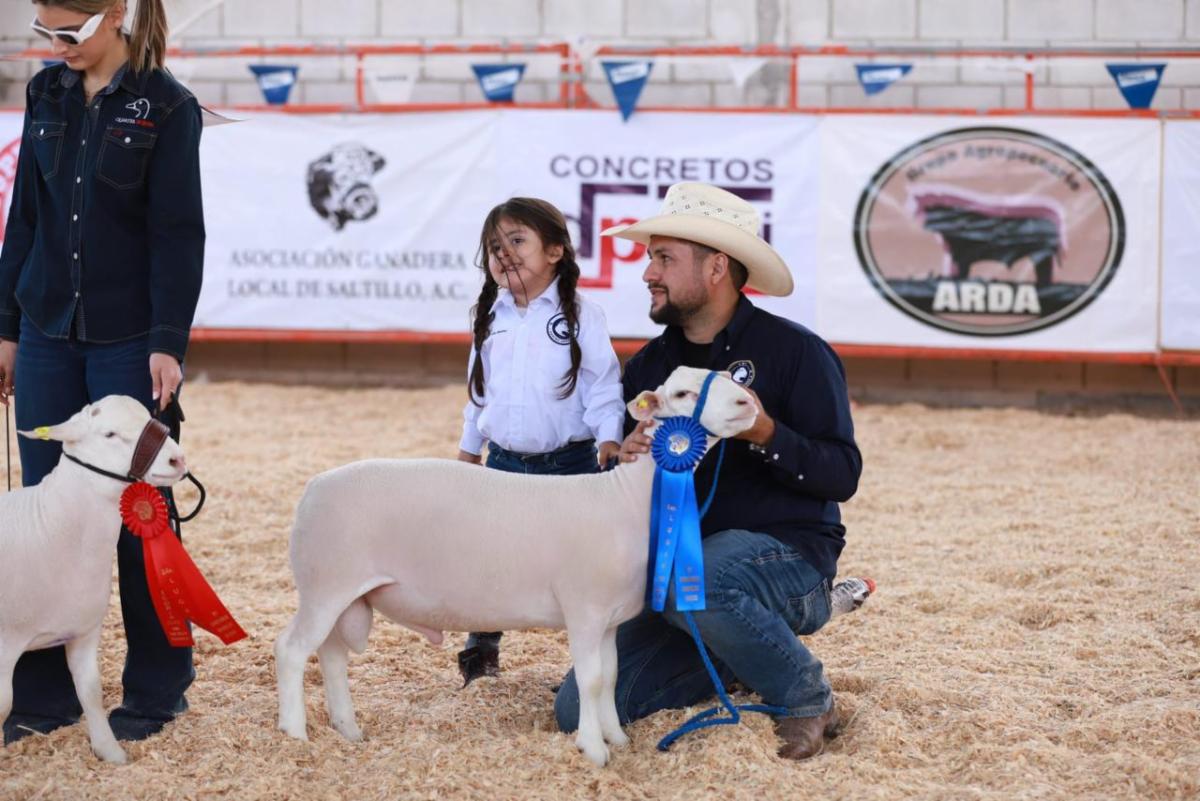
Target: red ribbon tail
[{"x": 181, "y": 593}]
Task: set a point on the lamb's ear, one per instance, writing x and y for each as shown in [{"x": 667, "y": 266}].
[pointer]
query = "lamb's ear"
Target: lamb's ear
[
  {"x": 72, "y": 430},
  {"x": 644, "y": 405}
]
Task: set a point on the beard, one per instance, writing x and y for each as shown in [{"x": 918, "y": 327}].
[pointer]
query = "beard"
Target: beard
[{"x": 675, "y": 312}]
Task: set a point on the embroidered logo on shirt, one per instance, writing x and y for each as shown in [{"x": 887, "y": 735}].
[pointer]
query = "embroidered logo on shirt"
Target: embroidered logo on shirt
[
  {"x": 140, "y": 108},
  {"x": 559, "y": 331},
  {"x": 742, "y": 371}
]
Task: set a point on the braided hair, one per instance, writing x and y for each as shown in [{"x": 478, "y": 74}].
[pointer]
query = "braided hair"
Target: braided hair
[{"x": 551, "y": 227}]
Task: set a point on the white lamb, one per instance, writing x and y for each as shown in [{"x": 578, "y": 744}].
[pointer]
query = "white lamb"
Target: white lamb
[
  {"x": 58, "y": 539},
  {"x": 439, "y": 545}
]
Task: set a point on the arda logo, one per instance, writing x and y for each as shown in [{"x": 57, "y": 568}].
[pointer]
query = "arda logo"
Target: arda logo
[
  {"x": 339, "y": 184},
  {"x": 989, "y": 231}
]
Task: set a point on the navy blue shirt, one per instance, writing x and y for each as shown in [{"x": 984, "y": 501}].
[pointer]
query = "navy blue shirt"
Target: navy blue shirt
[
  {"x": 105, "y": 237},
  {"x": 791, "y": 488}
]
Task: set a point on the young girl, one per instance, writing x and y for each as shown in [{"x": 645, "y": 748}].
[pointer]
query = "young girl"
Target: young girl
[
  {"x": 99, "y": 278},
  {"x": 544, "y": 383}
]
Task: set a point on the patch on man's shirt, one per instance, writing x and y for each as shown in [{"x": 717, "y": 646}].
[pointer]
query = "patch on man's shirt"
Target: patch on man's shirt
[{"x": 742, "y": 371}]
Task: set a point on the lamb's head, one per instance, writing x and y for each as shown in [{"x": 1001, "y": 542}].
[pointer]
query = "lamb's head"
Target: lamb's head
[
  {"x": 728, "y": 411},
  {"x": 106, "y": 433}
]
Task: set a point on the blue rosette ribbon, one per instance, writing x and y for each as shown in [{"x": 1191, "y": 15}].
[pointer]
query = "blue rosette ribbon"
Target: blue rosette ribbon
[{"x": 678, "y": 446}]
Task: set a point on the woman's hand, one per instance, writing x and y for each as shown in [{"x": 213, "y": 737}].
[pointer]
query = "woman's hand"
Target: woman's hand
[
  {"x": 8, "y": 362},
  {"x": 473, "y": 458},
  {"x": 165, "y": 376}
]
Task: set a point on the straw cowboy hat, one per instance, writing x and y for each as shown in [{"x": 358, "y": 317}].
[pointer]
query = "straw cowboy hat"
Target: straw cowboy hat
[{"x": 721, "y": 220}]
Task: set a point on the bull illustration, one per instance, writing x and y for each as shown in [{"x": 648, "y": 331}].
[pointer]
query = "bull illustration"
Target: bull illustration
[
  {"x": 974, "y": 227},
  {"x": 339, "y": 184}
]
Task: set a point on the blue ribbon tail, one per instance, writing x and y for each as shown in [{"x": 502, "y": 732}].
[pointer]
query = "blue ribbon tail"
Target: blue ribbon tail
[
  {"x": 689, "y": 555},
  {"x": 668, "y": 503}
]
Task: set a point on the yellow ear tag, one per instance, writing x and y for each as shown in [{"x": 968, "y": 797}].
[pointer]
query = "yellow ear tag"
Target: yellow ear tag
[
  {"x": 43, "y": 432},
  {"x": 643, "y": 403}
]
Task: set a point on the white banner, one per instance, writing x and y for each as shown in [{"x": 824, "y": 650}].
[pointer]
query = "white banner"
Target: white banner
[
  {"x": 355, "y": 222},
  {"x": 1181, "y": 245},
  {"x": 601, "y": 171},
  {"x": 1035, "y": 234}
]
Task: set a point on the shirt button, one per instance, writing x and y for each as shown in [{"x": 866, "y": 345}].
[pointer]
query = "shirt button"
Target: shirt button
[
  {"x": 75, "y": 255},
  {"x": 78, "y": 180},
  {"x": 85, "y": 141},
  {"x": 76, "y": 294},
  {"x": 775, "y": 456},
  {"x": 801, "y": 476},
  {"x": 74, "y": 217},
  {"x": 128, "y": 140},
  {"x": 41, "y": 131}
]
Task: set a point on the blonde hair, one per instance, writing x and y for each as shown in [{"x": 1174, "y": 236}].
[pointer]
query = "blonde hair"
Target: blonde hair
[{"x": 147, "y": 42}]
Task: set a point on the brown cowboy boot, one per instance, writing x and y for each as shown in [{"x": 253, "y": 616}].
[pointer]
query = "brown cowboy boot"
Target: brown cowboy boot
[{"x": 805, "y": 737}]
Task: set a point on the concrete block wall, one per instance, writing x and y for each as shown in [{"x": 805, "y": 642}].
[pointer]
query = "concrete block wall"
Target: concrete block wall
[{"x": 824, "y": 81}]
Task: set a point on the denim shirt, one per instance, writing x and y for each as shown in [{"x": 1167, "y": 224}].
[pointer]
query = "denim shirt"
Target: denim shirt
[{"x": 105, "y": 237}]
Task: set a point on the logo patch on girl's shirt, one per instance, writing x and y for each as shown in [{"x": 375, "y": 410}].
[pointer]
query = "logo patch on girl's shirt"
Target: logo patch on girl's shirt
[{"x": 559, "y": 330}]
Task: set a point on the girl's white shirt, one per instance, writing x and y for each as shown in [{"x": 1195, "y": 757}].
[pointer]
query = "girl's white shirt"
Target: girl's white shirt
[{"x": 524, "y": 361}]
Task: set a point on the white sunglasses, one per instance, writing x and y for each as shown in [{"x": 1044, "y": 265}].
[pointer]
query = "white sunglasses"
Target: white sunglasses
[{"x": 68, "y": 36}]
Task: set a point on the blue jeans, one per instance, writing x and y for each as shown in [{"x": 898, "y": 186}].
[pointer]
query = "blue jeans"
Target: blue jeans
[
  {"x": 571, "y": 460},
  {"x": 760, "y": 595},
  {"x": 54, "y": 380}
]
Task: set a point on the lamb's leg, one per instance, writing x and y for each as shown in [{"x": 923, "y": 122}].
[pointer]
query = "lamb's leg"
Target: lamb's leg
[
  {"x": 295, "y": 645},
  {"x": 585, "y": 639},
  {"x": 8, "y": 662},
  {"x": 334, "y": 656},
  {"x": 610, "y": 722},
  {"x": 82, "y": 659}
]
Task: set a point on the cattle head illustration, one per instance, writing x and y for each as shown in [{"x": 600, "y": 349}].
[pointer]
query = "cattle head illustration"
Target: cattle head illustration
[{"x": 339, "y": 184}]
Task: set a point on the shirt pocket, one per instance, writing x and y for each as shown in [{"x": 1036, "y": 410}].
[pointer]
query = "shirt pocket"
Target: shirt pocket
[
  {"x": 124, "y": 156},
  {"x": 48, "y": 145}
]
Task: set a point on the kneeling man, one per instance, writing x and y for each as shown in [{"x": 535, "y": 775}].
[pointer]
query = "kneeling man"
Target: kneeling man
[{"x": 773, "y": 534}]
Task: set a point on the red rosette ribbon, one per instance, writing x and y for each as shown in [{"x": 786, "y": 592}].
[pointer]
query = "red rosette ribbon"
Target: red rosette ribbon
[{"x": 177, "y": 587}]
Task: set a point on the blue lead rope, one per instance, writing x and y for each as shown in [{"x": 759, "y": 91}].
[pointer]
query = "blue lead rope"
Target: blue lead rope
[{"x": 678, "y": 446}]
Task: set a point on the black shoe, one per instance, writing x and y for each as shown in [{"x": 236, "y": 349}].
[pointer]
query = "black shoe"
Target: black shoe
[
  {"x": 478, "y": 661},
  {"x": 137, "y": 724},
  {"x": 18, "y": 727}
]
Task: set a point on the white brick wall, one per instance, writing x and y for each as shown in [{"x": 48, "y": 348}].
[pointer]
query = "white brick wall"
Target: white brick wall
[
  {"x": 860, "y": 19},
  {"x": 971, "y": 23},
  {"x": 1143, "y": 20},
  {"x": 419, "y": 19},
  {"x": 672, "y": 19},
  {"x": 1051, "y": 21},
  {"x": 961, "y": 19},
  {"x": 593, "y": 18},
  {"x": 491, "y": 19}
]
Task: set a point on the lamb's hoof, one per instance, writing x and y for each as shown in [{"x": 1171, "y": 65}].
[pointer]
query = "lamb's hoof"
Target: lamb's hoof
[
  {"x": 111, "y": 752},
  {"x": 350, "y": 731},
  {"x": 617, "y": 739},
  {"x": 597, "y": 753},
  {"x": 292, "y": 730},
  {"x": 478, "y": 661}
]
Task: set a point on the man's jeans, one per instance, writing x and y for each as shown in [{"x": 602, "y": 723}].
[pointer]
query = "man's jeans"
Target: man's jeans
[
  {"x": 760, "y": 594},
  {"x": 54, "y": 380}
]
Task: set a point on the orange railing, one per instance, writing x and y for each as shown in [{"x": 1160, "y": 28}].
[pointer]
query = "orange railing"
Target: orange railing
[{"x": 572, "y": 93}]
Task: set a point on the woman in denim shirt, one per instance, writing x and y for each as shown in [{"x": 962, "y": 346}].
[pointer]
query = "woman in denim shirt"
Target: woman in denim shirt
[{"x": 99, "y": 278}]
